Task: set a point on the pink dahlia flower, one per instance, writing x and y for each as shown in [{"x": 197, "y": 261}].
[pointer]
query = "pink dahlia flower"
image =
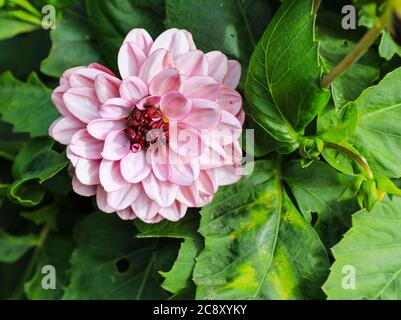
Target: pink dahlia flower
[{"x": 162, "y": 138}]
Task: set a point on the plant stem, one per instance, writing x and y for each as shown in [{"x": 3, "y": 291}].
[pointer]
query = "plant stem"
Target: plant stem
[
  {"x": 357, "y": 158},
  {"x": 360, "y": 49}
]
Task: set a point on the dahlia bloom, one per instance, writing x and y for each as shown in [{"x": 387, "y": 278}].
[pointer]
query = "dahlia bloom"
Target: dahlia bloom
[{"x": 161, "y": 138}]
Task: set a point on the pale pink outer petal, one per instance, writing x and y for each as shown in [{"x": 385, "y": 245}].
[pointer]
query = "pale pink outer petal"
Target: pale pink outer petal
[
  {"x": 101, "y": 68},
  {"x": 201, "y": 87},
  {"x": 241, "y": 117},
  {"x": 116, "y": 108},
  {"x": 84, "y": 77},
  {"x": 87, "y": 171},
  {"x": 124, "y": 197},
  {"x": 133, "y": 89},
  {"x": 191, "y": 64},
  {"x": 157, "y": 155},
  {"x": 145, "y": 208},
  {"x": 213, "y": 154},
  {"x": 84, "y": 145},
  {"x": 83, "y": 189},
  {"x": 230, "y": 100},
  {"x": 228, "y": 130},
  {"x": 205, "y": 114},
  {"x": 185, "y": 140},
  {"x": 184, "y": 171},
  {"x": 134, "y": 167},
  {"x": 229, "y": 175},
  {"x": 156, "y": 62},
  {"x": 64, "y": 128},
  {"x": 162, "y": 192},
  {"x": 82, "y": 103},
  {"x": 174, "y": 212},
  {"x": 72, "y": 156},
  {"x": 218, "y": 65},
  {"x": 126, "y": 214},
  {"x": 101, "y": 200},
  {"x": 175, "y": 106},
  {"x": 107, "y": 87},
  {"x": 141, "y": 38},
  {"x": 116, "y": 145},
  {"x": 233, "y": 75},
  {"x": 57, "y": 99},
  {"x": 130, "y": 60},
  {"x": 165, "y": 81},
  {"x": 176, "y": 41},
  {"x": 110, "y": 176},
  {"x": 100, "y": 128}
]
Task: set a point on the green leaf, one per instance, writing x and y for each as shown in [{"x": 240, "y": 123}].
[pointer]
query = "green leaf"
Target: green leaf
[
  {"x": 109, "y": 263},
  {"x": 113, "y": 19},
  {"x": 282, "y": 86},
  {"x": 237, "y": 25},
  {"x": 35, "y": 163},
  {"x": 179, "y": 278},
  {"x": 257, "y": 245},
  {"x": 72, "y": 46},
  {"x": 372, "y": 249},
  {"x": 56, "y": 252},
  {"x": 46, "y": 214},
  {"x": 12, "y": 248},
  {"x": 10, "y": 26},
  {"x": 10, "y": 143},
  {"x": 26, "y": 105},
  {"x": 317, "y": 190},
  {"x": 334, "y": 46},
  {"x": 388, "y": 48}
]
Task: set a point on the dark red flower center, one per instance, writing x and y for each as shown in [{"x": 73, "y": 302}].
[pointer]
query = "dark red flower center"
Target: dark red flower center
[{"x": 145, "y": 127}]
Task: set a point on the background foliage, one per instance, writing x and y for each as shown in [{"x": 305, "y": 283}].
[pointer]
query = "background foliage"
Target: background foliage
[{"x": 284, "y": 232}]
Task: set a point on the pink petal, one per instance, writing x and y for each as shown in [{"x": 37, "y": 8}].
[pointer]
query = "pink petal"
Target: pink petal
[
  {"x": 158, "y": 156},
  {"x": 133, "y": 89},
  {"x": 185, "y": 140},
  {"x": 191, "y": 64},
  {"x": 72, "y": 156},
  {"x": 101, "y": 68},
  {"x": 126, "y": 214},
  {"x": 100, "y": 128},
  {"x": 101, "y": 200},
  {"x": 233, "y": 74},
  {"x": 134, "y": 167},
  {"x": 156, "y": 62},
  {"x": 174, "y": 212},
  {"x": 165, "y": 81},
  {"x": 124, "y": 197},
  {"x": 184, "y": 171},
  {"x": 241, "y": 117},
  {"x": 175, "y": 106},
  {"x": 213, "y": 154},
  {"x": 87, "y": 171},
  {"x": 205, "y": 114},
  {"x": 110, "y": 176},
  {"x": 82, "y": 189},
  {"x": 65, "y": 77},
  {"x": 163, "y": 192},
  {"x": 208, "y": 182},
  {"x": 106, "y": 87},
  {"x": 85, "y": 146},
  {"x": 84, "y": 77},
  {"x": 230, "y": 100},
  {"x": 147, "y": 101},
  {"x": 130, "y": 59},
  {"x": 191, "y": 196},
  {"x": 64, "y": 128},
  {"x": 229, "y": 175},
  {"x": 116, "y": 145},
  {"x": 116, "y": 108},
  {"x": 141, "y": 38},
  {"x": 57, "y": 99},
  {"x": 145, "y": 208},
  {"x": 82, "y": 103},
  {"x": 174, "y": 40},
  {"x": 218, "y": 65},
  {"x": 229, "y": 129},
  {"x": 202, "y": 87}
]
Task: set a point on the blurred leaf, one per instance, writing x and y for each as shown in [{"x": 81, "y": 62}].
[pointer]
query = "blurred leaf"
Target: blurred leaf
[
  {"x": 10, "y": 26},
  {"x": 72, "y": 46},
  {"x": 257, "y": 245},
  {"x": 26, "y": 105},
  {"x": 12, "y": 248},
  {"x": 388, "y": 47},
  {"x": 46, "y": 214}
]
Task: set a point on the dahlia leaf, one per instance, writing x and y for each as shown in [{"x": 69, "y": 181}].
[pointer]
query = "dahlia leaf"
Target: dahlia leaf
[
  {"x": 179, "y": 278},
  {"x": 110, "y": 263},
  {"x": 27, "y": 106},
  {"x": 377, "y": 132},
  {"x": 257, "y": 245},
  {"x": 72, "y": 46},
  {"x": 113, "y": 19},
  {"x": 10, "y": 26},
  {"x": 12, "y": 247},
  {"x": 282, "y": 86},
  {"x": 317, "y": 189},
  {"x": 368, "y": 263}
]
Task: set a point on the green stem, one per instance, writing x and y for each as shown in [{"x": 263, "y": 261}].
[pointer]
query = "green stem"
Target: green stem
[
  {"x": 361, "y": 161},
  {"x": 360, "y": 49}
]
